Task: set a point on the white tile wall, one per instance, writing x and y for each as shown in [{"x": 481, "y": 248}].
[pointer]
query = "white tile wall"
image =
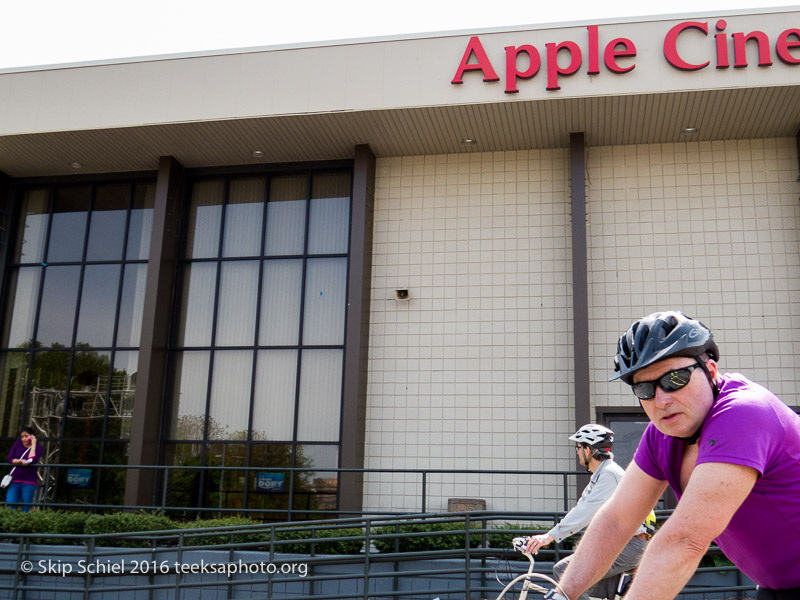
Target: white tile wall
[
  {"x": 475, "y": 370},
  {"x": 712, "y": 229}
]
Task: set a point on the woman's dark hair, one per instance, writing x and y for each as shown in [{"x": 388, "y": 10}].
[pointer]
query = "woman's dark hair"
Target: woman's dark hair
[{"x": 28, "y": 430}]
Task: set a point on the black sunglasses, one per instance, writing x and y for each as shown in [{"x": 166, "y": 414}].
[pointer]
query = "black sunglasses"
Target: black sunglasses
[{"x": 669, "y": 382}]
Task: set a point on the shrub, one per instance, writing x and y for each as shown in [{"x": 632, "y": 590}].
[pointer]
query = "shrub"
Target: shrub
[
  {"x": 124, "y": 523},
  {"x": 216, "y": 539},
  {"x": 401, "y": 541}
]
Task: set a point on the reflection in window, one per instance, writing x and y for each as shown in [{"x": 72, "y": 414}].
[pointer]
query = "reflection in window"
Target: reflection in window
[
  {"x": 197, "y": 305},
  {"x": 329, "y": 218},
  {"x": 98, "y": 305},
  {"x": 23, "y": 289},
  {"x": 238, "y": 295},
  {"x": 60, "y": 368},
  {"x": 129, "y": 327},
  {"x": 190, "y": 377},
  {"x": 243, "y": 217},
  {"x": 274, "y": 398},
  {"x": 59, "y": 301},
  {"x": 205, "y": 218},
  {"x": 286, "y": 216},
  {"x": 320, "y": 395},
  {"x": 280, "y": 302},
  {"x": 326, "y": 285},
  {"x": 107, "y": 224},
  {"x": 68, "y": 227},
  {"x": 13, "y": 376},
  {"x": 265, "y": 259},
  {"x": 34, "y": 219},
  {"x": 230, "y": 395}
]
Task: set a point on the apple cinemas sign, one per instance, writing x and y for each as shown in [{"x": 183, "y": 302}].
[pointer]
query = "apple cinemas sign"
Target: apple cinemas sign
[{"x": 722, "y": 49}]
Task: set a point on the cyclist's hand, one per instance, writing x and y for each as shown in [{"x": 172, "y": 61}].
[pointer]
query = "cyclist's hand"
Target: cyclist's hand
[{"x": 538, "y": 541}]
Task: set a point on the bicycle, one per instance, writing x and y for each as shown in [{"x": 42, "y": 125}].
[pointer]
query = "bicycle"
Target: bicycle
[{"x": 519, "y": 545}]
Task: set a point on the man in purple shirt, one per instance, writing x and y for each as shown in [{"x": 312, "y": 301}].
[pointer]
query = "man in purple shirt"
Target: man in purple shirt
[{"x": 729, "y": 449}]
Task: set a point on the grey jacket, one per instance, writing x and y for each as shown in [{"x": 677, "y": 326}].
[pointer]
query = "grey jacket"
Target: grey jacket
[{"x": 602, "y": 484}]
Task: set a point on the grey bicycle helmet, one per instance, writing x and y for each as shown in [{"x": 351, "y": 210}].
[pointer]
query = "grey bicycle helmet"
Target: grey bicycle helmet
[
  {"x": 598, "y": 438},
  {"x": 659, "y": 336}
]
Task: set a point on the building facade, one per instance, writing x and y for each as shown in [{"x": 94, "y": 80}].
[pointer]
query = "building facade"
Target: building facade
[{"x": 401, "y": 255}]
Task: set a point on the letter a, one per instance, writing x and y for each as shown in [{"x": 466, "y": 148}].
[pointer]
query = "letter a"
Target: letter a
[{"x": 483, "y": 65}]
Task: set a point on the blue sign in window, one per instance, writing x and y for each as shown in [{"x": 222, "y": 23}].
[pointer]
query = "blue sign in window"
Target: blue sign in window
[
  {"x": 269, "y": 482},
  {"x": 79, "y": 478}
]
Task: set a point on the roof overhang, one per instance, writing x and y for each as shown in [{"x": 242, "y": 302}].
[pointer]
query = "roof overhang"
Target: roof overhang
[{"x": 318, "y": 103}]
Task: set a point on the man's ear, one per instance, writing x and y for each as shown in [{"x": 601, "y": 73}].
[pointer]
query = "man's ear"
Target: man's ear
[{"x": 711, "y": 365}]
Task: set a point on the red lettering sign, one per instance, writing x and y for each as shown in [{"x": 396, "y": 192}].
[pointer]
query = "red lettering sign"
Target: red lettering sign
[
  {"x": 484, "y": 65},
  {"x": 784, "y": 45},
  {"x": 553, "y": 68},
  {"x": 513, "y": 73},
  {"x": 671, "y": 45}
]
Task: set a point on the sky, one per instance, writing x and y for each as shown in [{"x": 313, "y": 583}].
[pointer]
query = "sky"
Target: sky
[{"x": 44, "y": 32}]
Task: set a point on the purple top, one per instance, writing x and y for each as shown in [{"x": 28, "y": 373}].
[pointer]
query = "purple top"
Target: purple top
[
  {"x": 24, "y": 473},
  {"x": 747, "y": 425}
]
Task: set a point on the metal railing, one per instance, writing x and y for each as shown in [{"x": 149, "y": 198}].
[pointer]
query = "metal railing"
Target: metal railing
[
  {"x": 55, "y": 484},
  {"x": 467, "y": 556}
]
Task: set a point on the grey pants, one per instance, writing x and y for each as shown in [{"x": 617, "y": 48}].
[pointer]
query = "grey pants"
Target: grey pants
[{"x": 628, "y": 559}]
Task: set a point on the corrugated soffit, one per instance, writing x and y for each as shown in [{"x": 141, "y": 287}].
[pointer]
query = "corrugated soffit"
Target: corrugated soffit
[{"x": 513, "y": 124}]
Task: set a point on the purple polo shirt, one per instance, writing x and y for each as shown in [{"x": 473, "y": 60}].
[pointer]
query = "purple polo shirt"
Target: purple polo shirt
[
  {"x": 747, "y": 425},
  {"x": 24, "y": 473}
]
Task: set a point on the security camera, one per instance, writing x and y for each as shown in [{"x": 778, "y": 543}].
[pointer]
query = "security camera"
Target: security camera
[{"x": 401, "y": 294}]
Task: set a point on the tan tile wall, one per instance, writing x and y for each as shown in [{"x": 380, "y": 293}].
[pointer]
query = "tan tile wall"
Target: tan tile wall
[{"x": 475, "y": 370}]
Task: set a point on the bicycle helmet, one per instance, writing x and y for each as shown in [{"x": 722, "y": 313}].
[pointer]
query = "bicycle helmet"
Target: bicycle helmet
[
  {"x": 597, "y": 437},
  {"x": 659, "y": 336}
]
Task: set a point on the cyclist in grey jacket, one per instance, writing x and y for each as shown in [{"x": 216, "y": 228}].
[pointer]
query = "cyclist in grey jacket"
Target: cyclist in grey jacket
[{"x": 593, "y": 445}]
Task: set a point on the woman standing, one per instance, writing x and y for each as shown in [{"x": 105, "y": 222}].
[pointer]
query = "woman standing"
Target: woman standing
[{"x": 24, "y": 455}]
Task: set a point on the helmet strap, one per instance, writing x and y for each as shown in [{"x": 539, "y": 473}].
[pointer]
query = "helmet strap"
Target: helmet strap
[{"x": 692, "y": 439}]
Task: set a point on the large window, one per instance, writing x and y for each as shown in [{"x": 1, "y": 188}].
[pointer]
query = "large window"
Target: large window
[
  {"x": 258, "y": 341},
  {"x": 70, "y": 339}
]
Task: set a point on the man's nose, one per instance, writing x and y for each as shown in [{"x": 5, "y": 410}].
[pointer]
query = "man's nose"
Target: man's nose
[{"x": 662, "y": 398}]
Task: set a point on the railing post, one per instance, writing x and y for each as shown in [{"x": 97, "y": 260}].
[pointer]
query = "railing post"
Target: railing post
[
  {"x": 467, "y": 554},
  {"x": 424, "y": 489}
]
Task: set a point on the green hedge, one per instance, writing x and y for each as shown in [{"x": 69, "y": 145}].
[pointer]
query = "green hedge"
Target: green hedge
[
  {"x": 56, "y": 523},
  {"x": 402, "y": 542}
]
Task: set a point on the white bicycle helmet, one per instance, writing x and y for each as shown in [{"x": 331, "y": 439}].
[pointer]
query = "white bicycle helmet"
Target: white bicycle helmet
[{"x": 597, "y": 437}]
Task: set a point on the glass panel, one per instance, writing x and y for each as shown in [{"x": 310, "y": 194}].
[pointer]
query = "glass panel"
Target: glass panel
[
  {"x": 329, "y": 214},
  {"x": 269, "y": 485},
  {"x": 67, "y": 232},
  {"x": 273, "y": 403},
  {"x": 23, "y": 288},
  {"x": 326, "y": 282},
  {"x": 88, "y": 390},
  {"x": 320, "y": 395},
  {"x": 107, "y": 224},
  {"x": 59, "y": 300},
  {"x": 33, "y": 221},
  {"x": 48, "y": 391},
  {"x": 320, "y": 486},
  {"x": 286, "y": 215},
  {"x": 112, "y": 481},
  {"x": 123, "y": 389},
  {"x": 243, "y": 217},
  {"x": 238, "y": 296},
  {"x": 13, "y": 375},
  {"x": 190, "y": 382},
  {"x": 225, "y": 489},
  {"x": 205, "y": 217},
  {"x": 280, "y": 303},
  {"x": 197, "y": 304},
  {"x": 141, "y": 221},
  {"x": 77, "y": 453},
  {"x": 183, "y": 486},
  {"x": 129, "y": 329},
  {"x": 230, "y": 395},
  {"x": 628, "y": 430},
  {"x": 98, "y": 306}
]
